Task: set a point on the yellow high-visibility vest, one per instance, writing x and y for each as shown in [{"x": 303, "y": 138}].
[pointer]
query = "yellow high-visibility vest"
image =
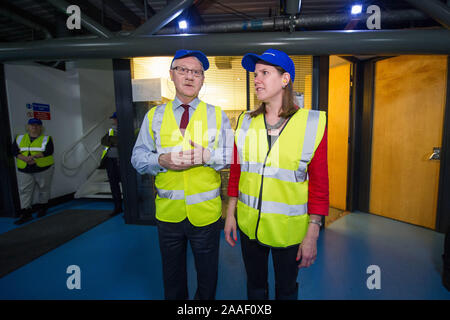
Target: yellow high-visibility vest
[
  {"x": 28, "y": 148},
  {"x": 105, "y": 149},
  {"x": 193, "y": 193},
  {"x": 273, "y": 186}
]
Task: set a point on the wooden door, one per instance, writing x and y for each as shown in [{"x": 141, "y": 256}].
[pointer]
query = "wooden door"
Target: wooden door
[{"x": 409, "y": 104}]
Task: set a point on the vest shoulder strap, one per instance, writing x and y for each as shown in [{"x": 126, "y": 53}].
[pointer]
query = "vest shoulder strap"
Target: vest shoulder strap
[{"x": 151, "y": 116}]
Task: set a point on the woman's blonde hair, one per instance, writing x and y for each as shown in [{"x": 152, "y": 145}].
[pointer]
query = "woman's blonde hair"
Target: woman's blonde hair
[{"x": 288, "y": 107}]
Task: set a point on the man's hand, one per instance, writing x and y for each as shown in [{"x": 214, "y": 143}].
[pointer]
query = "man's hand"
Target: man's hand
[
  {"x": 201, "y": 155},
  {"x": 185, "y": 159},
  {"x": 27, "y": 159},
  {"x": 176, "y": 160}
]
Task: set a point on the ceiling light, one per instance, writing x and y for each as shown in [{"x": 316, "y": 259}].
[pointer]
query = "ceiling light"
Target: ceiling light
[
  {"x": 356, "y": 9},
  {"x": 182, "y": 24}
]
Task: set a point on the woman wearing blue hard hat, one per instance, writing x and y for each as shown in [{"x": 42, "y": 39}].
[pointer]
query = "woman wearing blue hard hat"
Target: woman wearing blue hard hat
[
  {"x": 280, "y": 183},
  {"x": 34, "y": 160}
]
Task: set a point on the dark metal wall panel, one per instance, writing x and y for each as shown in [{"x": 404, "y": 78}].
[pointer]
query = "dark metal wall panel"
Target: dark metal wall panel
[
  {"x": 443, "y": 208},
  {"x": 8, "y": 184},
  {"x": 137, "y": 192},
  {"x": 321, "y": 67},
  {"x": 355, "y": 135},
  {"x": 366, "y": 136}
]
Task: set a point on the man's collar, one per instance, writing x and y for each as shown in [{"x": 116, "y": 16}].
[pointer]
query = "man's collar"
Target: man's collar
[{"x": 194, "y": 103}]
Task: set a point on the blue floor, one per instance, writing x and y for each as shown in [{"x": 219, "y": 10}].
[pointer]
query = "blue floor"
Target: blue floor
[{"x": 119, "y": 261}]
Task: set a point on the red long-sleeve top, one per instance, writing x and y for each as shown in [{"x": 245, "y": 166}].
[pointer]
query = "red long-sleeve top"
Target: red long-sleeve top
[{"x": 318, "y": 196}]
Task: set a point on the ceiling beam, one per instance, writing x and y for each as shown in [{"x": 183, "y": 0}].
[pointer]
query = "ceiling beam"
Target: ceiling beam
[
  {"x": 140, "y": 5},
  {"x": 163, "y": 17},
  {"x": 96, "y": 14},
  {"x": 383, "y": 42},
  {"x": 90, "y": 24},
  {"x": 25, "y": 18},
  {"x": 437, "y": 10},
  {"x": 122, "y": 10}
]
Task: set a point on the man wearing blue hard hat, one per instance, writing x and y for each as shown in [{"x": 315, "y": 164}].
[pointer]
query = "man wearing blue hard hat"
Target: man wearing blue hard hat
[
  {"x": 184, "y": 143},
  {"x": 110, "y": 161},
  {"x": 34, "y": 160}
]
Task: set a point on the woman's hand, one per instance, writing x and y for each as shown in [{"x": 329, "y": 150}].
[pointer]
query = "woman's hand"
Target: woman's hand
[
  {"x": 307, "y": 250},
  {"x": 230, "y": 223}
]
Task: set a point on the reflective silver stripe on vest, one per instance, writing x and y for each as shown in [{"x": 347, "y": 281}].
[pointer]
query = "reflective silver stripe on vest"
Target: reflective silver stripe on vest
[
  {"x": 32, "y": 149},
  {"x": 271, "y": 172},
  {"x": 19, "y": 139},
  {"x": 212, "y": 125},
  {"x": 250, "y": 201},
  {"x": 191, "y": 199},
  {"x": 204, "y": 196},
  {"x": 243, "y": 133},
  {"x": 41, "y": 148},
  {"x": 253, "y": 167},
  {"x": 171, "y": 194},
  {"x": 274, "y": 207},
  {"x": 44, "y": 142},
  {"x": 310, "y": 139},
  {"x": 156, "y": 127}
]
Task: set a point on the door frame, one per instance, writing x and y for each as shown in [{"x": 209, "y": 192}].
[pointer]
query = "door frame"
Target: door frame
[
  {"x": 8, "y": 183},
  {"x": 443, "y": 205},
  {"x": 360, "y": 151}
]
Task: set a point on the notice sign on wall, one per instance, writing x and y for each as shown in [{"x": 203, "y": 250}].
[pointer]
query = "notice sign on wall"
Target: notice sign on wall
[{"x": 39, "y": 111}]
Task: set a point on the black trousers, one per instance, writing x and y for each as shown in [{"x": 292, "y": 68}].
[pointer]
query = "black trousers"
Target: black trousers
[
  {"x": 256, "y": 260},
  {"x": 204, "y": 241},
  {"x": 113, "y": 171}
]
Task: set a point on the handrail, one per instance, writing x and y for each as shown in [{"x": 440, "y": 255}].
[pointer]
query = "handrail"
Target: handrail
[{"x": 89, "y": 152}]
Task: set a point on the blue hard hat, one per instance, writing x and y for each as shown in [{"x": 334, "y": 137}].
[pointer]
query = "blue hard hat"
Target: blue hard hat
[
  {"x": 272, "y": 56},
  {"x": 35, "y": 121},
  {"x": 194, "y": 53}
]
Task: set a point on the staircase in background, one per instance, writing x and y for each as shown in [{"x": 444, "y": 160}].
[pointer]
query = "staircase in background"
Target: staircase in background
[{"x": 96, "y": 186}]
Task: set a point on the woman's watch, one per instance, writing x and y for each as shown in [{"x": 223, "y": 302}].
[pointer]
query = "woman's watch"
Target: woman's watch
[{"x": 318, "y": 222}]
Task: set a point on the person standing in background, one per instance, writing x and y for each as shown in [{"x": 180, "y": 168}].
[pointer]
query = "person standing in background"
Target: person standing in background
[
  {"x": 34, "y": 160},
  {"x": 110, "y": 161}
]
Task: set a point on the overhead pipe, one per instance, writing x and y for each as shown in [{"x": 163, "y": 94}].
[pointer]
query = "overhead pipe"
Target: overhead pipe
[
  {"x": 162, "y": 18},
  {"x": 437, "y": 10},
  {"x": 17, "y": 18},
  {"x": 281, "y": 23},
  {"x": 383, "y": 42},
  {"x": 293, "y": 7},
  {"x": 87, "y": 22}
]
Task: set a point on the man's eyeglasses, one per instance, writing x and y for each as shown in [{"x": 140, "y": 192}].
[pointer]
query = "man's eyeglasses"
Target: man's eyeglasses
[{"x": 184, "y": 71}]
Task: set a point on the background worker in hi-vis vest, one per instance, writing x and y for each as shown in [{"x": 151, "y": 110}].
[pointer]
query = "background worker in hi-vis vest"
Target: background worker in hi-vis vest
[
  {"x": 183, "y": 144},
  {"x": 280, "y": 186},
  {"x": 110, "y": 161},
  {"x": 34, "y": 160}
]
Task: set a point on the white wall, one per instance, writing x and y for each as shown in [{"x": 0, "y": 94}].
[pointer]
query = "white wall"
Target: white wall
[{"x": 78, "y": 97}]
